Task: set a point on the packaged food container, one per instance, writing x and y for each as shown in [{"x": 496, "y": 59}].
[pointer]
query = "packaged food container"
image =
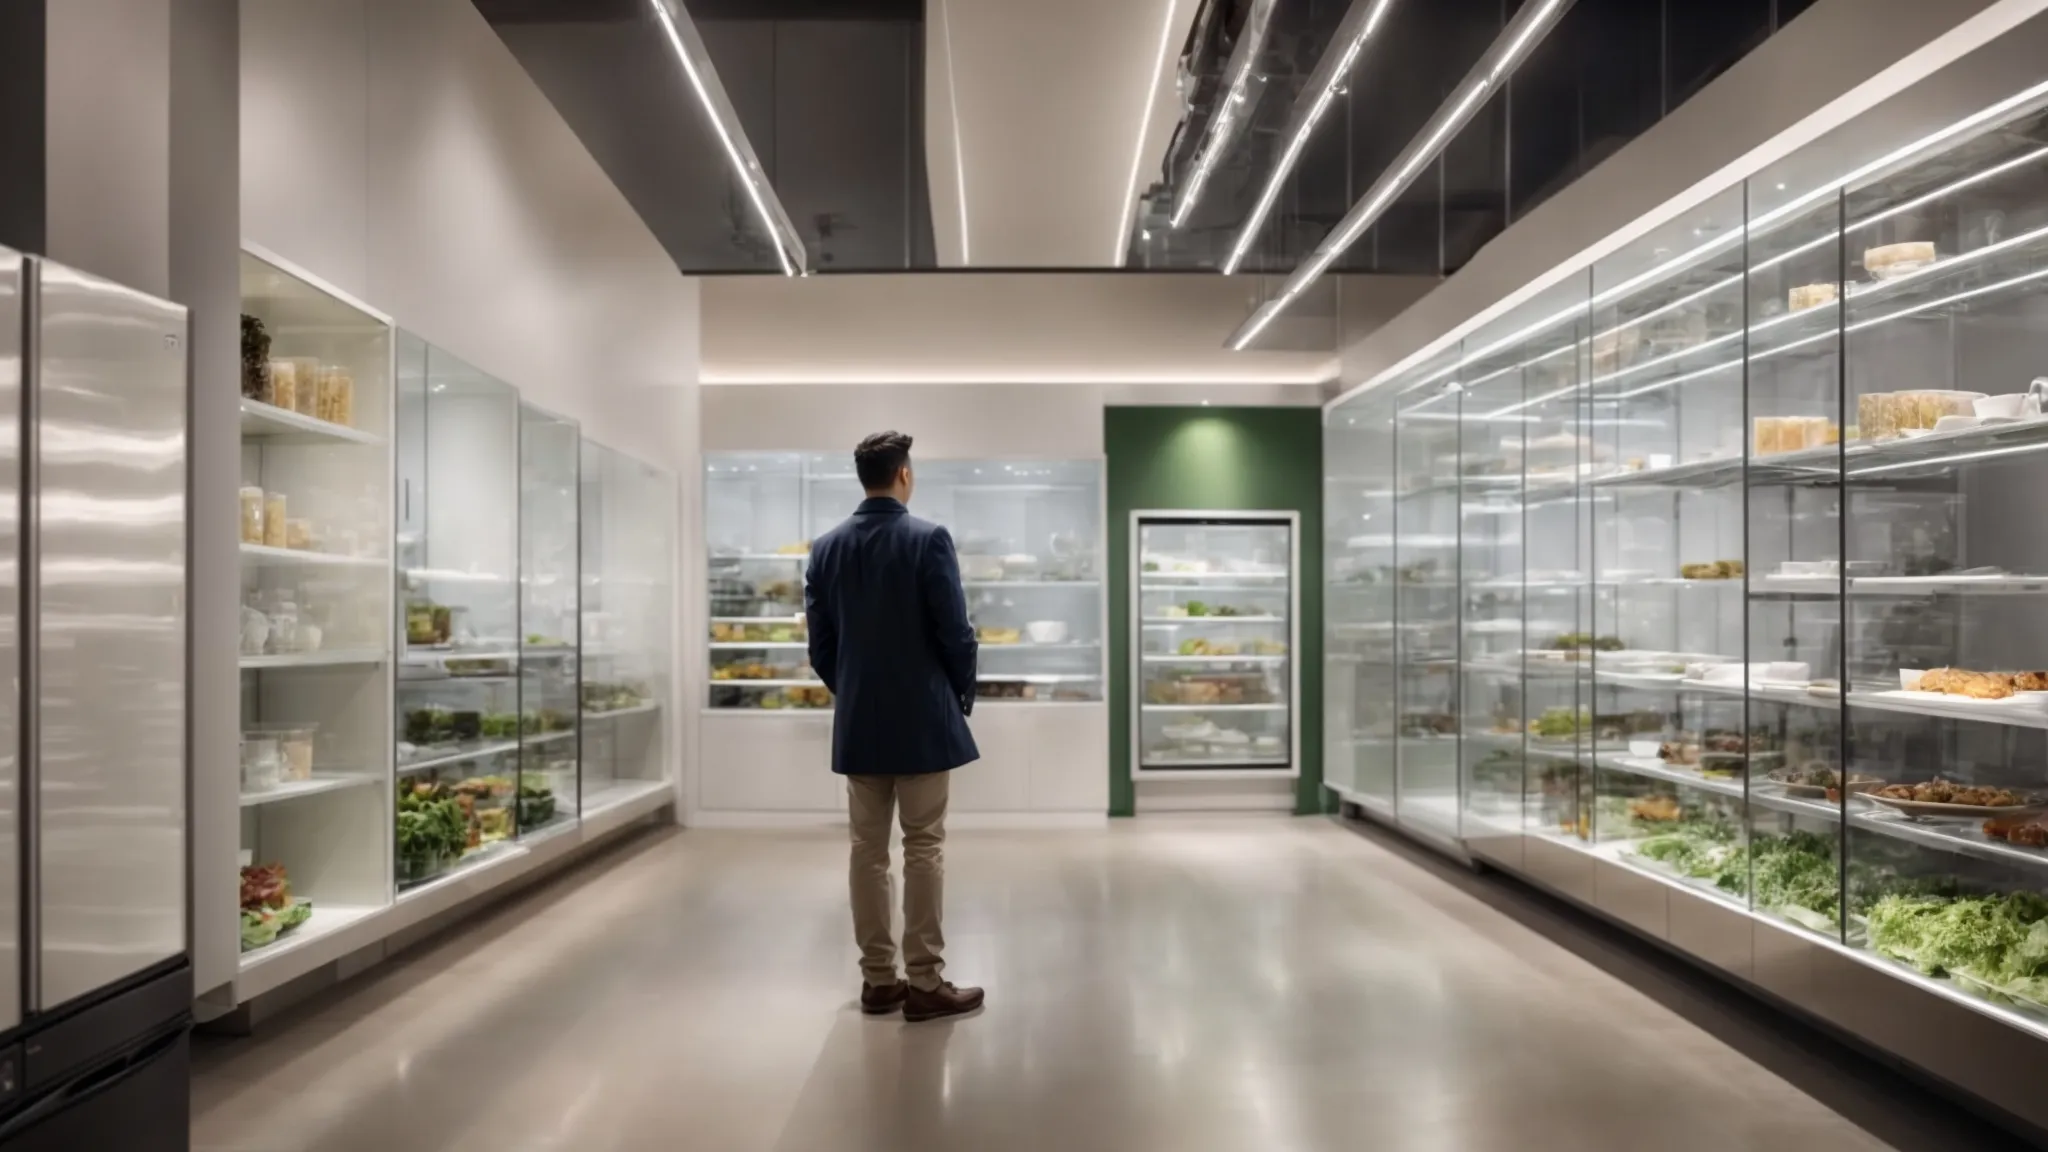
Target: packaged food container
[
  {"x": 273, "y": 520},
  {"x": 298, "y": 533},
  {"x": 262, "y": 762},
  {"x": 294, "y": 745},
  {"x": 252, "y": 515},
  {"x": 335, "y": 400},
  {"x": 283, "y": 386}
]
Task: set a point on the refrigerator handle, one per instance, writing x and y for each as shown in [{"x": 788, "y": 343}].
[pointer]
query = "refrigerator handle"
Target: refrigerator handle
[{"x": 28, "y": 641}]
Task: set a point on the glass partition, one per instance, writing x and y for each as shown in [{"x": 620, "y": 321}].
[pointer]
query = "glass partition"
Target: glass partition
[
  {"x": 1426, "y": 526},
  {"x": 1360, "y": 717},
  {"x": 627, "y": 531},
  {"x": 550, "y": 629}
]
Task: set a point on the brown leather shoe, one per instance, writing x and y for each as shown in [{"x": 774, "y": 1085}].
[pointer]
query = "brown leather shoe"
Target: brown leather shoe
[
  {"x": 945, "y": 1000},
  {"x": 883, "y": 1000}
]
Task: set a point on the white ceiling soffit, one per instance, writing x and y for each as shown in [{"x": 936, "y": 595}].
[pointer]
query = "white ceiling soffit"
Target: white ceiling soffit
[
  {"x": 1839, "y": 59},
  {"x": 1106, "y": 327},
  {"x": 1042, "y": 121}
]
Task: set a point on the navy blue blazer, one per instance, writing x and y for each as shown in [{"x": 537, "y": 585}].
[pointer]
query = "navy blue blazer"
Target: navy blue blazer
[{"x": 889, "y": 636}]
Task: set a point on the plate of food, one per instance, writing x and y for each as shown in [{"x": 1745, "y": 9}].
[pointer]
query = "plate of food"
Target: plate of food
[
  {"x": 1939, "y": 798},
  {"x": 1815, "y": 780}
]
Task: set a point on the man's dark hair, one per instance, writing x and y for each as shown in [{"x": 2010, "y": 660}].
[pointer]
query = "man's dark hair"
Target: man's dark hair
[{"x": 879, "y": 458}]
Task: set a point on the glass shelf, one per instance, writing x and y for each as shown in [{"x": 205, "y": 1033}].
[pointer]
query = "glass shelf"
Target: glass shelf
[{"x": 1029, "y": 538}]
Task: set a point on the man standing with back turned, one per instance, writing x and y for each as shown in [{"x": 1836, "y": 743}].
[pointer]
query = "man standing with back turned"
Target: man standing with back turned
[{"x": 890, "y": 638}]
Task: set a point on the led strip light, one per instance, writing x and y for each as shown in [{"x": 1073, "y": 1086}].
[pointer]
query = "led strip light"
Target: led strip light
[
  {"x": 1523, "y": 33},
  {"x": 1330, "y": 74},
  {"x": 1229, "y": 116},
  {"x": 696, "y": 61}
]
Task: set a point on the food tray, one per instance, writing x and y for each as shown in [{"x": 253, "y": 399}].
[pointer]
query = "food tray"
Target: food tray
[
  {"x": 2027, "y": 703},
  {"x": 1857, "y": 784},
  {"x": 1928, "y": 810}
]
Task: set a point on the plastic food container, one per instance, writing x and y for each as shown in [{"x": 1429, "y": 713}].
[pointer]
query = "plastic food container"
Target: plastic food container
[
  {"x": 262, "y": 762},
  {"x": 1046, "y": 631},
  {"x": 252, "y": 515},
  {"x": 273, "y": 520},
  {"x": 335, "y": 396},
  {"x": 283, "y": 390},
  {"x": 294, "y": 744},
  {"x": 298, "y": 533}
]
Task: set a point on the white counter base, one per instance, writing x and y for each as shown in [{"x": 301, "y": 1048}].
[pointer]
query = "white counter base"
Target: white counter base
[{"x": 1042, "y": 765}]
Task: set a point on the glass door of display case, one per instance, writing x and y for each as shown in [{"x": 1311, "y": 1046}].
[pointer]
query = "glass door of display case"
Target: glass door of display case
[
  {"x": 459, "y": 708},
  {"x": 1426, "y": 523},
  {"x": 627, "y": 582},
  {"x": 550, "y": 553},
  {"x": 1360, "y": 717},
  {"x": 1214, "y": 603}
]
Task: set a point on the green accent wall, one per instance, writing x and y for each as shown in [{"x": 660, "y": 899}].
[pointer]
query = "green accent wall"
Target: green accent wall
[{"x": 1235, "y": 459}]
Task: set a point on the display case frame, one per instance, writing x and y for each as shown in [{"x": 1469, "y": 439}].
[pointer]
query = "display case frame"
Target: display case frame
[
  {"x": 1140, "y": 519},
  {"x": 331, "y": 831}
]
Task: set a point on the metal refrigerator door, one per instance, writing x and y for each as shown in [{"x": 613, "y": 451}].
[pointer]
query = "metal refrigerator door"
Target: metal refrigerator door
[
  {"x": 107, "y": 547},
  {"x": 11, "y": 267}
]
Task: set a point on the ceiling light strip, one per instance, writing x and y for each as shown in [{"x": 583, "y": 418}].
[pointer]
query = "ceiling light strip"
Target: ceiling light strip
[
  {"x": 1230, "y": 112},
  {"x": 1122, "y": 251},
  {"x": 696, "y": 61},
  {"x": 1331, "y": 73},
  {"x": 1509, "y": 49}
]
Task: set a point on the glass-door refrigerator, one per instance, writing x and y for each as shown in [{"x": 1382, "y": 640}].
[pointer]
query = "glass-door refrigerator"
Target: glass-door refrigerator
[
  {"x": 1215, "y": 607},
  {"x": 95, "y": 972}
]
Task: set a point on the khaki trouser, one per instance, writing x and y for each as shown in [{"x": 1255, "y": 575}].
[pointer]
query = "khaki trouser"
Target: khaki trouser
[{"x": 871, "y": 802}]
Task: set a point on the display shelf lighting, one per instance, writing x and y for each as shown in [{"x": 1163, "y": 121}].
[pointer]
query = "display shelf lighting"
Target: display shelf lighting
[
  {"x": 1508, "y": 50},
  {"x": 696, "y": 61},
  {"x": 1331, "y": 74},
  {"x": 1223, "y": 127}
]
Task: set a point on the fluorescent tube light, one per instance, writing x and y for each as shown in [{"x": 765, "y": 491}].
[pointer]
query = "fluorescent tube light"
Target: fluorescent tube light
[
  {"x": 696, "y": 61},
  {"x": 1330, "y": 74},
  {"x": 1222, "y": 129},
  {"x": 1513, "y": 44}
]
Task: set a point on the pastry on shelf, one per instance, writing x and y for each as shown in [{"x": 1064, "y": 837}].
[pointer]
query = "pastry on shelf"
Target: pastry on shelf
[
  {"x": 1811, "y": 296},
  {"x": 1891, "y": 260}
]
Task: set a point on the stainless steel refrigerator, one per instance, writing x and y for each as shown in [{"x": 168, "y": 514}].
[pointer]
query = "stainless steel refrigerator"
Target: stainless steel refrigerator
[{"x": 95, "y": 978}]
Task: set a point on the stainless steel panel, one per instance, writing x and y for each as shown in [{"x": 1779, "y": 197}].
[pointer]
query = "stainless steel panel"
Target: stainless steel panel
[
  {"x": 1565, "y": 870},
  {"x": 107, "y": 545},
  {"x": 1782, "y": 962},
  {"x": 1703, "y": 927},
  {"x": 11, "y": 361},
  {"x": 1636, "y": 900}
]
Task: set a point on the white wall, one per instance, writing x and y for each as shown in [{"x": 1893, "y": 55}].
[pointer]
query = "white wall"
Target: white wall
[{"x": 396, "y": 149}]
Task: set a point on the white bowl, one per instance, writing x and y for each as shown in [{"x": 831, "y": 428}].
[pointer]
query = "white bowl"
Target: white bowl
[
  {"x": 2009, "y": 405},
  {"x": 1788, "y": 672},
  {"x": 1046, "y": 631},
  {"x": 1645, "y": 749},
  {"x": 1958, "y": 423}
]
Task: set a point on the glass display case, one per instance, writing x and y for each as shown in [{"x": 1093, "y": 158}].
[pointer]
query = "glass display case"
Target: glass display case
[
  {"x": 1360, "y": 714},
  {"x": 460, "y": 715},
  {"x": 1739, "y": 570},
  {"x": 1215, "y": 603},
  {"x": 1029, "y": 538},
  {"x": 628, "y": 593},
  {"x": 550, "y": 621},
  {"x": 315, "y": 643}
]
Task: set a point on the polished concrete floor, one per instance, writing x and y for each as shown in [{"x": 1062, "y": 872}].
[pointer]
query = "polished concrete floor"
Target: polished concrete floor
[{"x": 1212, "y": 984}]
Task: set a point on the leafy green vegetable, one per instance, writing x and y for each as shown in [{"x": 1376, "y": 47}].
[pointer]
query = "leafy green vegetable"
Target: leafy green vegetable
[
  {"x": 1995, "y": 944},
  {"x": 259, "y": 928},
  {"x": 1197, "y": 608}
]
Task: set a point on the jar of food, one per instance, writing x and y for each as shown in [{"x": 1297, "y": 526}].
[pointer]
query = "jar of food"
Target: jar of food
[
  {"x": 283, "y": 387},
  {"x": 298, "y": 533},
  {"x": 284, "y": 628},
  {"x": 295, "y": 744},
  {"x": 336, "y": 401},
  {"x": 273, "y": 520},
  {"x": 262, "y": 762},
  {"x": 252, "y": 515}
]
